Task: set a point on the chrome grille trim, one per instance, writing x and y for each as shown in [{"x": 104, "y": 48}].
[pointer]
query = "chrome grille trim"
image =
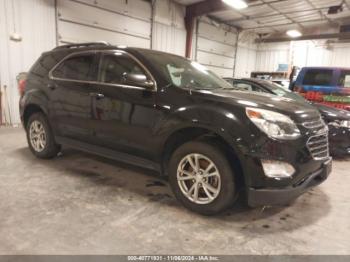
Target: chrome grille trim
[
  {"x": 318, "y": 146},
  {"x": 317, "y": 142},
  {"x": 314, "y": 124}
]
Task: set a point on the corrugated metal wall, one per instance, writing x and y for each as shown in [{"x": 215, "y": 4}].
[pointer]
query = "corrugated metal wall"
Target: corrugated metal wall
[
  {"x": 246, "y": 55},
  {"x": 216, "y": 47},
  {"x": 320, "y": 53},
  {"x": 34, "y": 20},
  {"x": 340, "y": 55},
  {"x": 302, "y": 53},
  {"x": 268, "y": 56},
  {"x": 124, "y": 23},
  {"x": 118, "y": 22},
  {"x": 169, "y": 33}
]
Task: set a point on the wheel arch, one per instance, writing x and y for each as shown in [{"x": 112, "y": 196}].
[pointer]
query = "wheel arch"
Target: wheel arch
[
  {"x": 34, "y": 100},
  {"x": 186, "y": 134},
  {"x": 31, "y": 109}
]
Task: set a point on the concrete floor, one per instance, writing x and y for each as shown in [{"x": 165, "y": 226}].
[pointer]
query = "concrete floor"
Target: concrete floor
[{"x": 82, "y": 204}]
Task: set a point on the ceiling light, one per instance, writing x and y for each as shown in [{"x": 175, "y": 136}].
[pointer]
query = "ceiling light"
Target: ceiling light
[
  {"x": 294, "y": 33},
  {"x": 236, "y": 4}
]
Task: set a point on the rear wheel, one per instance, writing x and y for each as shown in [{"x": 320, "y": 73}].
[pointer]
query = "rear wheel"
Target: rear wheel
[
  {"x": 40, "y": 137},
  {"x": 201, "y": 178}
]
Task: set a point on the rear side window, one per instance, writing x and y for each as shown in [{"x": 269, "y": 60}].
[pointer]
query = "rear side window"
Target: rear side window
[
  {"x": 318, "y": 77},
  {"x": 114, "y": 67},
  {"x": 344, "y": 79},
  {"x": 80, "y": 67}
]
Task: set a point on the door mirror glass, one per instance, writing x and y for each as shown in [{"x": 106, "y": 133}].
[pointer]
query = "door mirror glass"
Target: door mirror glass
[{"x": 137, "y": 79}]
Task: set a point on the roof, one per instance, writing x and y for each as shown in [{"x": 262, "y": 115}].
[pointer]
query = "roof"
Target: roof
[{"x": 103, "y": 46}]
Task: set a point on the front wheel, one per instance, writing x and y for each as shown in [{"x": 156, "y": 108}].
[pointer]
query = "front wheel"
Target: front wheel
[{"x": 201, "y": 178}]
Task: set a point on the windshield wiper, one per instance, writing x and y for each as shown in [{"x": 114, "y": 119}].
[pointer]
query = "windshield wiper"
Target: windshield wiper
[
  {"x": 204, "y": 88},
  {"x": 230, "y": 88},
  {"x": 189, "y": 86}
]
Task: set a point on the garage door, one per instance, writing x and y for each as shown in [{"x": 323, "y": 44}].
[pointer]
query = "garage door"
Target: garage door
[
  {"x": 119, "y": 22},
  {"x": 216, "y": 48}
]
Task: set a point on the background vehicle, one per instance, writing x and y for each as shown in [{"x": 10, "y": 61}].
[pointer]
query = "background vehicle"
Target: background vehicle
[
  {"x": 164, "y": 112},
  {"x": 326, "y": 85},
  {"x": 338, "y": 120},
  {"x": 282, "y": 82}
]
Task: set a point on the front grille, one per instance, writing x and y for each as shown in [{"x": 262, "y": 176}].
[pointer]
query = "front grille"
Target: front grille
[
  {"x": 317, "y": 143},
  {"x": 314, "y": 124},
  {"x": 318, "y": 146}
]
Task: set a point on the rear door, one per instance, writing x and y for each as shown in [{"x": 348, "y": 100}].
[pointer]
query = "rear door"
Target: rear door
[{"x": 70, "y": 100}]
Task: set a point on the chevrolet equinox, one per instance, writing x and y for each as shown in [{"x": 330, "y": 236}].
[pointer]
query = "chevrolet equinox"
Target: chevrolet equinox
[{"x": 167, "y": 113}]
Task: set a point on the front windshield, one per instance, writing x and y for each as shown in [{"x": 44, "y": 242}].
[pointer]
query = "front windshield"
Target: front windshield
[{"x": 184, "y": 73}]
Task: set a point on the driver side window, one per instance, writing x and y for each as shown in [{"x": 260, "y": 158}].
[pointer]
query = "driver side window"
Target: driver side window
[{"x": 115, "y": 67}]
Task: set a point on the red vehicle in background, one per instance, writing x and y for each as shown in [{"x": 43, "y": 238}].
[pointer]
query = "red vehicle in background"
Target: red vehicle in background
[{"x": 326, "y": 85}]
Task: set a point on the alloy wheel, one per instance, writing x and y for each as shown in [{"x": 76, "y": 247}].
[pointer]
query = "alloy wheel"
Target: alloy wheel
[
  {"x": 37, "y": 136},
  {"x": 198, "y": 178}
]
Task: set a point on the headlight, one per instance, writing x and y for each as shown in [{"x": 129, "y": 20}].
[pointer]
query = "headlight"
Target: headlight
[
  {"x": 273, "y": 124},
  {"x": 338, "y": 123}
]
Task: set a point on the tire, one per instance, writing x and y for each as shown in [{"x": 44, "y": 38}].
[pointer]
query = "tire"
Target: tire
[
  {"x": 38, "y": 128},
  {"x": 223, "y": 181}
]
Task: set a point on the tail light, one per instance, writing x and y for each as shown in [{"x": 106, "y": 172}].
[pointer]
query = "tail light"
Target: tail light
[{"x": 21, "y": 87}]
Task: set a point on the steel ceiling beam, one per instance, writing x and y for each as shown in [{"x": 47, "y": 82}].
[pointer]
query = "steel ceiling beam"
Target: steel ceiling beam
[
  {"x": 195, "y": 10},
  {"x": 313, "y": 8},
  {"x": 330, "y": 21},
  {"x": 285, "y": 16},
  {"x": 277, "y": 25},
  {"x": 210, "y": 6},
  {"x": 275, "y": 14},
  {"x": 199, "y": 9},
  {"x": 205, "y": 7},
  {"x": 304, "y": 37}
]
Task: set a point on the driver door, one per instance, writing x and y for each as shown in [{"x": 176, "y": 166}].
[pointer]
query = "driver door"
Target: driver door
[{"x": 123, "y": 112}]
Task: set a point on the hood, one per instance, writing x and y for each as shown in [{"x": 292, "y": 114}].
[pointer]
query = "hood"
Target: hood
[
  {"x": 294, "y": 96},
  {"x": 299, "y": 111},
  {"x": 331, "y": 113}
]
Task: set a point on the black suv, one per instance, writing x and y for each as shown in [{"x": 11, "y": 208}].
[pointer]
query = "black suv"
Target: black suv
[{"x": 167, "y": 113}]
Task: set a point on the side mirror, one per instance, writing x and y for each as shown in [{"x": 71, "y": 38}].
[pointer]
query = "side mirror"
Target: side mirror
[{"x": 139, "y": 80}]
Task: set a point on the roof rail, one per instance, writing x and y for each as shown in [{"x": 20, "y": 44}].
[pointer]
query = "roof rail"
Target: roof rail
[{"x": 77, "y": 45}]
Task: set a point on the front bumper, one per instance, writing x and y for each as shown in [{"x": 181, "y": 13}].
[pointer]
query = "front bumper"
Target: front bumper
[{"x": 272, "y": 197}]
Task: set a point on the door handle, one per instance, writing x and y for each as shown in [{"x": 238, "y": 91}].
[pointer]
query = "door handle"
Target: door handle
[{"x": 97, "y": 95}]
